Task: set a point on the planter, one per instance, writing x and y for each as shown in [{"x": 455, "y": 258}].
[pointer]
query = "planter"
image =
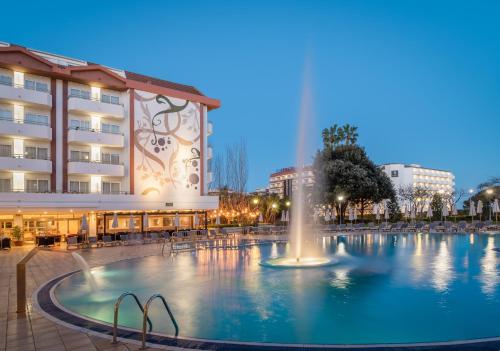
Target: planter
[{"x": 18, "y": 242}]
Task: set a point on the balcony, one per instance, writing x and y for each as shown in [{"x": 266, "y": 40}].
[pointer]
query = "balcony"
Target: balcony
[
  {"x": 96, "y": 137},
  {"x": 95, "y": 168},
  {"x": 209, "y": 177},
  {"x": 13, "y": 93},
  {"x": 17, "y": 163},
  {"x": 210, "y": 128},
  {"x": 96, "y": 107},
  {"x": 26, "y": 129}
]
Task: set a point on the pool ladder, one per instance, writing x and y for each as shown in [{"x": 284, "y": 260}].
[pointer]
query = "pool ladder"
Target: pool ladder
[{"x": 145, "y": 318}]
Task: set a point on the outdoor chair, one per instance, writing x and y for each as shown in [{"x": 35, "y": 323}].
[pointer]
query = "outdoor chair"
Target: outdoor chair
[
  {"x": 107, "y": 240},
  {"x": 93, "y": 242},
  {"x": 72, "y": 241}
]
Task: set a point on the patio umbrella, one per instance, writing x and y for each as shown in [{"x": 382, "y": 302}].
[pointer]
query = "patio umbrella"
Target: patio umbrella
[
  {"x": 84, "y": 226},
  {"x": 261, "y": 219},
  {"x": 114, "y": 224},
  {"x": 333, "y": 213},
  {"x": 406, "y": 212},
  {"x": 355, "y": 214},
  {"x": 479, "y": 208},
  {"x": 376, "y": 209},
  {"x": 444, "y": 211},
  {"x": 217, "y": 220},
  {"x": 287, "y": 216},
  {"x": 315, "y": 216},
  {"x": 413, "y": 214},
  {"x": 176, "y": 219},
  {"x": 472, "y": 209},
  {"x": 283, "y": 215},
  {"x": 496, "y": 209},
  {"x": 196, "y": 219},
  {"x": 454, "y": 211},
  {"x": 145, "y": 221},
  {"x": 131, "y": 223},
  {"x": 429, "y": 211},
  {"x": 327, "y": 216},
  {"x": 386, "y": 213}
]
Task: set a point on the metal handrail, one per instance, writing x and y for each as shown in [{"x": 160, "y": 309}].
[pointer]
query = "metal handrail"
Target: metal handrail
[
  {"x": 23, "y": 121},
  {"x": 145, "y": 317},
  {"x": 23, "y": 86},
  {"x": 95, "y": 130},
  {"x": 117, "y": 307},
  {"x": 93, "y": 98}
]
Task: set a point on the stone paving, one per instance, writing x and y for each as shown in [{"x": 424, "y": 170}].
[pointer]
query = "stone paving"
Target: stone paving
[{"x": 32, "y": 331}]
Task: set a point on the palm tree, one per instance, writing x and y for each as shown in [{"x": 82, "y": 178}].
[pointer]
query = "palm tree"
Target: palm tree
[
  {"x": 351, "y": 134},
  {"x": 325, "y": 134}
]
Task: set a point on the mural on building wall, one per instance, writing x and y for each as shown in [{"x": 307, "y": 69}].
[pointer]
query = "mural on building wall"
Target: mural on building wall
[{"x": 167, "y": 144}]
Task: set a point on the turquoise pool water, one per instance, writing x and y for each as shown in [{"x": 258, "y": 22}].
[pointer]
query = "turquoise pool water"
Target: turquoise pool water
[{"x": 384, "y": 289}]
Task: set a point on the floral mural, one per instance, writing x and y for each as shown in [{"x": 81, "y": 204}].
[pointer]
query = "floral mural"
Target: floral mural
[{"x": 167, "y": 144}]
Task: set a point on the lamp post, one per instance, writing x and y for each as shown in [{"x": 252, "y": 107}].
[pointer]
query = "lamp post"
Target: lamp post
[
  {"x": 471, "y": 191},
  {"x": 489, "y": 192},
  {"x": 340, "y": 198}
]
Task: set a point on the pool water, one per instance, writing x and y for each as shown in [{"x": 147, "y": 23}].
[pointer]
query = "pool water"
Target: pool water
[{"x": 383, "y": 289}]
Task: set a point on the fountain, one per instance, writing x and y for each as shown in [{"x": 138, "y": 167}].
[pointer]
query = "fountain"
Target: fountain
[
  {"x": 84, "y": 266},
  {"x": 301, "y": 256}
]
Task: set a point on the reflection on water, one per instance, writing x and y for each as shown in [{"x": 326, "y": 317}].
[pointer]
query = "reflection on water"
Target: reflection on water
[
  {"x": 380, "y": 280},
  {"x": 489, "y": 272},
  {"x": 442, "y": 268}
]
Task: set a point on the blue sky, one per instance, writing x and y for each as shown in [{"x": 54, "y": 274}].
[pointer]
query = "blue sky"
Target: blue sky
[{"x": 419, "y": 78}]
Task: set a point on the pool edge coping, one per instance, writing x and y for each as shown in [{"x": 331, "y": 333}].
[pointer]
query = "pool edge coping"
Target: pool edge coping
[{"x": 491, "y": 343}]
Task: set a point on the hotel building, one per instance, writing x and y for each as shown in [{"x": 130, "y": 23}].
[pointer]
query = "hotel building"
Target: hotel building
[
  {"x": 435, "y": 180},
  {"x": 78, "y": 138},
  {"x": 284, "y": 181}
]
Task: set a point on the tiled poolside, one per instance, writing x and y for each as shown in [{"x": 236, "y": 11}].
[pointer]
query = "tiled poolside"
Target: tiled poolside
[{"x": 34, "y": 332}]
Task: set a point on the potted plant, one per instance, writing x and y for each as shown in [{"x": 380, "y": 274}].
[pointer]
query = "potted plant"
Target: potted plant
[{"x": 17, "y": 236}]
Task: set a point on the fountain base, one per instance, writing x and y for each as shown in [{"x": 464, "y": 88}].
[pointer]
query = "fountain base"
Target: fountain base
[{"x": 299, "y": 262}]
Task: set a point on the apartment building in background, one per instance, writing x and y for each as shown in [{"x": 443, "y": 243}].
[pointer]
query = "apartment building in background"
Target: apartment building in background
[
  {"x": 284, "y": 181},
  {"x": 79, "y": 138},
  {"x": 437, "y": 181}
]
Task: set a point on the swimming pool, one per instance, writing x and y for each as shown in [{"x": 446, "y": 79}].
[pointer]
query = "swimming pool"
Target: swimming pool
[{"x": 384, "y": 288}]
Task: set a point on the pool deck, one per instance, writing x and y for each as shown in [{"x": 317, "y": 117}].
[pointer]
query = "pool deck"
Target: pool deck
[{"x": 32, "y": 331}]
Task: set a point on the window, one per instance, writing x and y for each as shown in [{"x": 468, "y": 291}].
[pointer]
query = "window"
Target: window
[
  {"x": 79, "y": 156},
  {"x": 113, "y": 159},
  {"x": 78, "y": 124},
  {"x": 39, "y": 153},
  {"x": 5, "y": 185},
  {"x": 6, "y": 150},
  {"x": 110, "y": 128},
  {"x": 37, "y": 186},
  {"x": 30, "y": 152},
  {"x": 79, "y": 187},
  {"x": 5, "y": 80},
  {"x": 82, "y": 94},
  {"x": 394, "y": 174},
  {"x": 34, "y": 85},
  {"x": 110, "y": 99},
  {"x": 5, "y": 115},
  {"x": 110, "y": 188},
  {"x": 34, "y": 118}
]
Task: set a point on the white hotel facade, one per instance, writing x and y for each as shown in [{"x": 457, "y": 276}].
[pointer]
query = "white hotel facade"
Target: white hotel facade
[
  {"x": 80, "y": 138},
  {"x": 437, "y": 181}
]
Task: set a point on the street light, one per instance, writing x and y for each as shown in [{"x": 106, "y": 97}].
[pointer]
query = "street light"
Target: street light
[
  {"x": 287, "y": 204},
  {"x": 255, "y": 201},
  {"x": 340, "y": 198},
  {"x": 274, "y": 205},
  {"x": 489, "y": 192}
]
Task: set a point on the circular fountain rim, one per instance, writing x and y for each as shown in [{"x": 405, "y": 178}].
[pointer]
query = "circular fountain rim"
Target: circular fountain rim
[
  {"x": 47, "y": 305},
  {"x": 291, "y": 263}
]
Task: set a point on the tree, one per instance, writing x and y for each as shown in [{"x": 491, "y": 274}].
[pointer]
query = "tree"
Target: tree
[
  {"x": 347, "y": 171},
  {"x": 351, "y": 134},
  {"x": 416, "y": 197},
  {"x": 437, "y": 206},
  {"x": 335, "y": 135}
]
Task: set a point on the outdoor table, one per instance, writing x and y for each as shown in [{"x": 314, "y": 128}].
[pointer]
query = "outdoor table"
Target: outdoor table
[{"x": 47, "y": 240}]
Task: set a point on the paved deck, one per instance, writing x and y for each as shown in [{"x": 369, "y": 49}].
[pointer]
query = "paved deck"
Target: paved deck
[{"x": 34, "y": 332}]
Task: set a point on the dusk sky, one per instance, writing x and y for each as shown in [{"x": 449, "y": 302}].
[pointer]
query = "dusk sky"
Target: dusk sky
[{"x": 421, "y": 79}]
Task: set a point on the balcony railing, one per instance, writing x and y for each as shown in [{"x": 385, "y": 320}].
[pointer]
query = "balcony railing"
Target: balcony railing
[
  {"x": 26, "y": 157},
  {"x": 94, "y": 130},
  {"x": 104, "y": 162},
  {"x": 93, "y": 98},
  {"x": 22, "y": 121},
  {"x": 41, "y": 88}
]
